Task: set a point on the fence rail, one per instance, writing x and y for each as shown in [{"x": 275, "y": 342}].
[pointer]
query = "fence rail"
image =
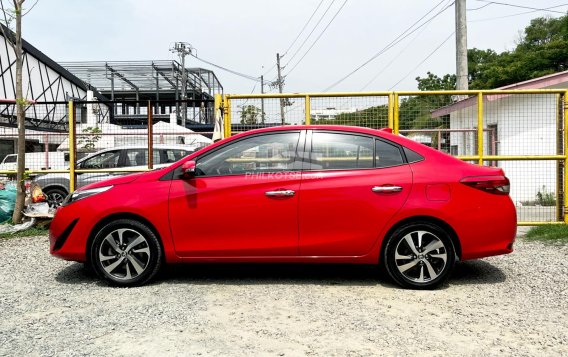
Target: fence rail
[{"x": 522, "y": 131}]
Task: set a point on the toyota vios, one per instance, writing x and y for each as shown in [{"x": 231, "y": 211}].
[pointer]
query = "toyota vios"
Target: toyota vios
[{"x": 293, "y": 194}]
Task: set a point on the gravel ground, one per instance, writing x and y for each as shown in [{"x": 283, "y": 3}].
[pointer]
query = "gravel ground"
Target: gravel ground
[{"x": 509, "y": 305}]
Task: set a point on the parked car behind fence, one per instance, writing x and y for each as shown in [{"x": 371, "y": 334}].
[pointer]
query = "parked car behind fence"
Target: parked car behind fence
[{"x": 56, "y": 186}]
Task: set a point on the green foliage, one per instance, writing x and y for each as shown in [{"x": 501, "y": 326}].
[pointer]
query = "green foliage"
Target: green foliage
[
  {"x": 545, "y": 198},
  {"x": 542, "y": 198},
  {"x": 373, "y": 117},
  {"x": 551, "y": 234},
  {"x": 541, "y": 50},
  {"x": 433, "y": 82},
  {"x": 30, "y": 232},
  {"x": 89, "y": 141},
  {"x": 250, "y": 114}
]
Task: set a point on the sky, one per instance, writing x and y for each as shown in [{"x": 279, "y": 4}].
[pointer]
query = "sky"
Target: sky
[{"x": 245, "y": 36}]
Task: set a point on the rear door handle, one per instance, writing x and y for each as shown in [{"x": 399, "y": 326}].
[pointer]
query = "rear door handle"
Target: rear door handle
[
  {"x": 386, "y": 189},
  {"x": 280, "y": 193}
]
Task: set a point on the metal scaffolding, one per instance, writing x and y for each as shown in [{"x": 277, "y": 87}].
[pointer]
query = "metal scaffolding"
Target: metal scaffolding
[{"x": 139, "y": 81}]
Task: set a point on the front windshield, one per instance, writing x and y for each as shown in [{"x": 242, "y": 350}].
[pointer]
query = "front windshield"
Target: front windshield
[{"x": 10, "y": 159}]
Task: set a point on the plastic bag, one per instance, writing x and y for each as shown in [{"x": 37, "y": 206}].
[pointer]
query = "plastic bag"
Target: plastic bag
[
  {"x": 8, "y": 228},
  {"x": 7, "y": 202}
]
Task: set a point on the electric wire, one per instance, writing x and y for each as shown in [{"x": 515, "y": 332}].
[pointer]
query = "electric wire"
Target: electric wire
[
  {"x": 394, "y": 42},
  {"x": 479, "y": 8},
  {"x": 520, "y": 6},
  {"x": 310, "y": 34},
  {"x": 303, "y": 28},
  {"x": 249, "y": 77},
  {"x": 317, "y": 39},
  {"x": 517, "y": 14},
  {"x": 393, "y": 59},
  {"x": 424, "y": 60}
]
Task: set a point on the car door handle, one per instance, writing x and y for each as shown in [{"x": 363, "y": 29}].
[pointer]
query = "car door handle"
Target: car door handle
[
  {"x": 280, "y": 193},
  {"x": 386, "y": 189}
]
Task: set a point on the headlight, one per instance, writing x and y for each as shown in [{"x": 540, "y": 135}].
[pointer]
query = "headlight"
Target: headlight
[{"x": 79, "y": 195}]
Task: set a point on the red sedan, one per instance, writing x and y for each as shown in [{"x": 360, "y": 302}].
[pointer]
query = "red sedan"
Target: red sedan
[{"x": 317, "y": 194}]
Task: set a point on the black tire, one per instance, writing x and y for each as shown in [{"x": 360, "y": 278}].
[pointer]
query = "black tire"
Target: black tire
[
  {"x": 55, "y": 196},
  {"x": 126, "y": 252},
  {"x": 419, "y": 266}
]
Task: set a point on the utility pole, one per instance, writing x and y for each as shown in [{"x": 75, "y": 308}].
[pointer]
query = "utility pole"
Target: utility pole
[
  {"x": 461, "y": 46},
  {"x": 183, "y": 49},
  {"x": 262, "y": 99},
  {"x": 280, "y": 85}
]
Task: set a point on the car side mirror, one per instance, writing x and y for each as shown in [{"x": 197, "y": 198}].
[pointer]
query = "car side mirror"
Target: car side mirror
[{"x": 188, "y": 169}]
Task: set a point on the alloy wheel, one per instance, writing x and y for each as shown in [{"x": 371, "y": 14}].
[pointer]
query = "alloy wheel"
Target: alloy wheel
[
  {"x": 421, "y": 256},
  {"x": 124, "y": 254}
]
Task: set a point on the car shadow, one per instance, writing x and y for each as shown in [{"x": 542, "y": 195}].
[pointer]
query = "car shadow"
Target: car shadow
[
  {"x": 477, "y": 272},
  {"x": 469, "y": 272}
]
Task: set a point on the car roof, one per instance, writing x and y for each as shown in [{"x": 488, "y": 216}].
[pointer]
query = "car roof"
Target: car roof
[
  {"x": 158, "y": 146},
  {"x": 384, "y": 133}
]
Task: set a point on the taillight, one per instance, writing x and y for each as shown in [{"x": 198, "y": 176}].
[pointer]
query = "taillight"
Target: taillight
[{"x": 498, "y": 185}]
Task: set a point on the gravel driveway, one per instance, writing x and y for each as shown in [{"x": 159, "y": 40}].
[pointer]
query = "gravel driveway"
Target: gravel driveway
[{"x": 508, "y": 305}]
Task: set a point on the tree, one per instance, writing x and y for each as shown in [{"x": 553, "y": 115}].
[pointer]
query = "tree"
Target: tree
[
  {"x": 542, "y": 49},
  {"x": 250, "y": 114},
  {"x": 15, "y": 40},
  {"x": 89, "y": 141}
]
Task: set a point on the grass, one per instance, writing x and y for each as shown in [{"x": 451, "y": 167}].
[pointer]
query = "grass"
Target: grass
[
  {"x": 30, "y": 232},
  {"x": 551, "y": 234}
]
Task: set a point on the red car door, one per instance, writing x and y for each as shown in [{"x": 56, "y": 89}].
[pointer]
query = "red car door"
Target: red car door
[
  {"x": 243, "y": 201},
  {"x": 353, "y": 186}
]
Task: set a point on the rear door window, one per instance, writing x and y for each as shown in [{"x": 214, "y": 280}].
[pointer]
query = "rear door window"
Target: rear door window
[
  {"x": 387, "y": 154},
  {"x": 335, "y": 151}
]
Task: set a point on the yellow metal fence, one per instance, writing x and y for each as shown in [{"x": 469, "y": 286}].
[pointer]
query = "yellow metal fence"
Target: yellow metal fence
[{"x": 522, "y": 131}]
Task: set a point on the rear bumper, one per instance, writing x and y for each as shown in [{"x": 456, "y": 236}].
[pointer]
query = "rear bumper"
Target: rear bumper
[{"x": 489, "y": 230}]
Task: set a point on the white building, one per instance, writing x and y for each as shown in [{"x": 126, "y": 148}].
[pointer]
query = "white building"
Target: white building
[
  {"x": 329, "y": 113},
  {"x": 519, "y": 124}
]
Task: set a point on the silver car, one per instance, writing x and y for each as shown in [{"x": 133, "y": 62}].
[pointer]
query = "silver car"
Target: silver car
[{"x": 56, "y": 186}]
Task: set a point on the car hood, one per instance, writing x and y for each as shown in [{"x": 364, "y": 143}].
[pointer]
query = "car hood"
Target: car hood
[{"x": 120, "y": 180}]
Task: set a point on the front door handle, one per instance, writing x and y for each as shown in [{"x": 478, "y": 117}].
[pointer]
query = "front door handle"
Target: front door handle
[
  {"x": 386, "y": 189},
  {"x": 280, "y": 193}
]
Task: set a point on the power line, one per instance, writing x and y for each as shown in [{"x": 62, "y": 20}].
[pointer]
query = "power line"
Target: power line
[
  {"x": 517, "y": 14},
  {"x": 317, "y": 39},
  {"x": 252, "y": 78},
  {"x": 479, "y": 8},
  {"x": 520, "y": 6},
  {"x": 303, "y": 28},
  {"x": 424, "y": 60},
  {"x": 310, "y": 34},
  {"x": 399, "y": 38},
  {"x": 393, "y": 59}
]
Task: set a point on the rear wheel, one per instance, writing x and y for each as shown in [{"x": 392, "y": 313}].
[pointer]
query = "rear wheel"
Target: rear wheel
[
  {"x": 55, "y": 196},
  {"x": 126, "y": 253},
  {"x": 419, "y": 255}
]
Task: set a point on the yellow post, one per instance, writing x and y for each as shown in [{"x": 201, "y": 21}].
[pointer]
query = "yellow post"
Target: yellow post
[
  {"x": 480, "y": 127},
  {"x": 227, "y": 116},
  {"x": 308, "y": 110},
  {"x": 565, "y": 203},
  {"x": 396, "y": 117},
  {"x": 150, "y": 126},
  {"x": 391, "y": 110},
  {"x": 71, "y": 117},
  {"x": 559, "y": 164},
  {"x": 217, "y": 100}
]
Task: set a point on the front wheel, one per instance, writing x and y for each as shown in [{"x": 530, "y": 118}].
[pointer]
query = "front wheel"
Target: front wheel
[
  {"x": 126, "y": 253},
  {"x": 419, "y": 255}
]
